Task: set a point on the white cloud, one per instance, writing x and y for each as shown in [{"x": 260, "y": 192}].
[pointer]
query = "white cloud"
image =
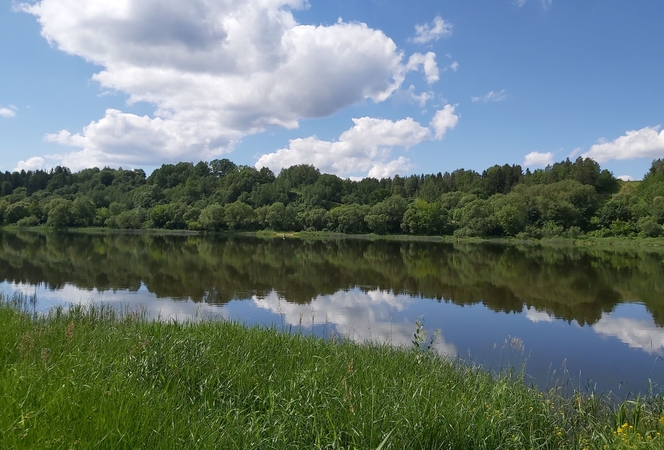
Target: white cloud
[
  {"x": 545, "y": 3},
  {"x": 626, "y": 178},
  {"x": 215, "y": 71},
  {"x": 8, "y": 112},
  {"x": 454, "y": 66},
  {"x": 538, "y": 159},
  {"x": 409, "y": 96},
  {"x": 127, "y": 139},
  {"x": 386, "y": 170},
  {"x": 575, "y": 152},
  {"x": 647, "y": 142},
  {"x": 428, "y": 64},
  {"x": 34, "y": 163},
  {"x": 427, "y": 33},
  {"x": 423, "y": 98},
  {"x": 492, "y": 96},
  {"x": 444, "y": 120},
  {"x": 365, "y": 148}
]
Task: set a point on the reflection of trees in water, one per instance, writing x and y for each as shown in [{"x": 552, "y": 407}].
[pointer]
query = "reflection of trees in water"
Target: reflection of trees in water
[{"x": 570, "y": 283}]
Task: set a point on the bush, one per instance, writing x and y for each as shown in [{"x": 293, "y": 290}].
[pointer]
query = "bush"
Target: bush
[
  {"x": 30, "y": 221},
  {"x": 648, "y": 227}
]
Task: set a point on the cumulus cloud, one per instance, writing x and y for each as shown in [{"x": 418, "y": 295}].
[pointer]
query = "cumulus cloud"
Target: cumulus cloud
[
  {"x": 363, "y": 149},
  {"x": 120, "y": 138},
  {"x": 647, "y": 142},
  {"x": 492, "y": 96},
  {"x": 428, "y": 64},
  {"x": 215, "y": 71},
  {"x": 444, "y": 120},
  {"x": 625, "y": 177},
  {"x": 538, "y": 159},
  {"x": 427, "y": 33},
  {"x": 454, "y": 66},
  {"x": 385, "y": 170},
  {"x": 8, "y": 112},
  {"x": 34, "y": 163}
]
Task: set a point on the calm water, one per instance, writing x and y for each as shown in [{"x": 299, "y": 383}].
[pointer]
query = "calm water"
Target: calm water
[{"x": 595, "y": 315}]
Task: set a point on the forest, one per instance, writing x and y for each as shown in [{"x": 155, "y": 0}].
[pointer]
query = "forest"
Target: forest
[{"x": 567, "y": 199}]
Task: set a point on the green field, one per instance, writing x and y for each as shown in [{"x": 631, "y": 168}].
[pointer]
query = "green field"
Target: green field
[{"x": 87, "y": 378}]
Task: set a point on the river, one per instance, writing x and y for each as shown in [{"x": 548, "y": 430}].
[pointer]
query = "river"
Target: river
[{"x": 576, "y": 317}]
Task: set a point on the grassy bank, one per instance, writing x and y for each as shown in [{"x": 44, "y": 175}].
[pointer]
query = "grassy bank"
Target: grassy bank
[
  {"x": 608, "y": 243},
  {"x": 89, "y": 378}
]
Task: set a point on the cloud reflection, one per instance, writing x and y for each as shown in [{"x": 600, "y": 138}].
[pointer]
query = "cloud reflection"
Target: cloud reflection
[
  {"x": 124, "y": 300},
  {"x": 360, "y": 316},
  {"x": 640, "y": 334},
  {"x": 537, "y": 316}
]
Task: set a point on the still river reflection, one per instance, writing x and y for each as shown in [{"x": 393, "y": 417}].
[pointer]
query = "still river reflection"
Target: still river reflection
[{"x": 595, "y": 315}]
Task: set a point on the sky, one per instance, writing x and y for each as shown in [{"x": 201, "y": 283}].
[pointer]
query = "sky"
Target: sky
[{"x": 355, "y": 87}]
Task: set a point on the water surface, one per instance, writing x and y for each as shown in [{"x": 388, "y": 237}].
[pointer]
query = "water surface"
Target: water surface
[{"x": 595, "y": 315}]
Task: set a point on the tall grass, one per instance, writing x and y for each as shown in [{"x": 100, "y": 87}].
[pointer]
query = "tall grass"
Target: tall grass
[{"x": 90, "y": 377}]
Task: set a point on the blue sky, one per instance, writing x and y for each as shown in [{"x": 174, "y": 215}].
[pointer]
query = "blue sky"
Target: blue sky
[{"x": 356, "y": 88}]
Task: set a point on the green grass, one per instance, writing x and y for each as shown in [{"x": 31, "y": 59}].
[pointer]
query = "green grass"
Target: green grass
[
  {"x": 87, "y": 378},
  {"x": 654, "y": 244}
]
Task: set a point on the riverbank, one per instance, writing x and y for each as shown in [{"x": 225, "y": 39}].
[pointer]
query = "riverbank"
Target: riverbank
[
  {"x": 88, "y": 377},
  {"x": 581, "y": 241}
]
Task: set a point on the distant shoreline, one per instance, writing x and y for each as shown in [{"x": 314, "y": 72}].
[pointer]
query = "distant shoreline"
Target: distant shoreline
[{"x": 594, "y": 242}]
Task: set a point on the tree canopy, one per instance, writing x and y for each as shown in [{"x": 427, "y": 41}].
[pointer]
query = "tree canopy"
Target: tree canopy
[{"x": 568, "y": 198}]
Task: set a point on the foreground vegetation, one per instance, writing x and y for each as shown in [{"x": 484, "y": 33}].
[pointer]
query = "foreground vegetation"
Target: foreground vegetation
[
  {"x": 88, "y": 377},
  {"x": 568, "y": 199}
]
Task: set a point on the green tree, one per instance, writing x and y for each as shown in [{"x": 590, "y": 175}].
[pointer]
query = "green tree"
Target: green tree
[
  {"x": 475, "y": 218},
  {"x": 348, "y": 218},
  {"x": 60, "y": 214},
  {"x": 280, "y": 217},
  {"x": 315, "y": 219},
  {"x": 512, "y": 217},
  {"x": 617, "y": 209},
  {"x": 131, "y": 219},
  {"x": 648, "y": 227},
  {"x": 83, "y": 212},
  {"x": 425, "y": 218},
  {"x": 171, "y": 216},
  {"x": 212, "y": 217},
  {"x": 385, "y": 217},
  {"x": 239, "y": 216},
  {"x": 16, "y": 211}
]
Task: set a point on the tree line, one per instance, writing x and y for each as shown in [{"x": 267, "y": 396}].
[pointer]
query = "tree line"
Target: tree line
[{"x": 568, "y": 198}]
